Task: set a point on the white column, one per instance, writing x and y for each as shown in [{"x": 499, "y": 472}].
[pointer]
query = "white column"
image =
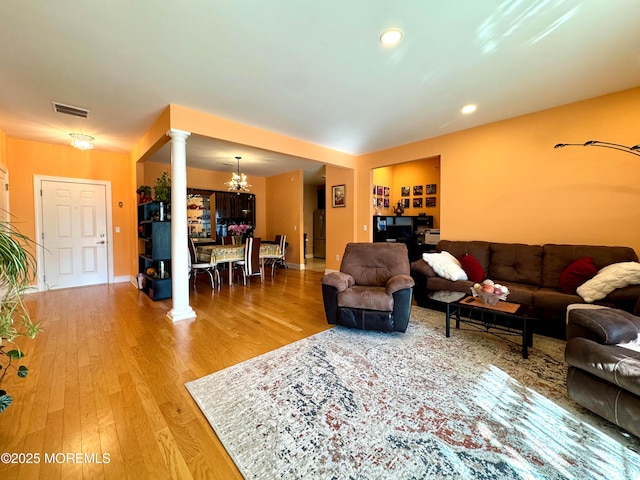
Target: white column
[{"x": 181, "y": 309}]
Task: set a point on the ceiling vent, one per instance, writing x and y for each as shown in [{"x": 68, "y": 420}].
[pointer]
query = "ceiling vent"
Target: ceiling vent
[{"x": 69, "y": 110}]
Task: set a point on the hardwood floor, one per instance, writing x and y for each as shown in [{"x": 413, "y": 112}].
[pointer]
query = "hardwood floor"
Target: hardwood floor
[{"x": 107, "y": 376}]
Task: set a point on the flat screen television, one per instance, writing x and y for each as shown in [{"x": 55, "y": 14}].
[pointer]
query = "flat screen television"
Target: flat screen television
[{"x": 399, "y": 233}]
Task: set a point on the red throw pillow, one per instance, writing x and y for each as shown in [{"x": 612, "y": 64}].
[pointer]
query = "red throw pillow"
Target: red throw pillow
[
  {"x": 472, "y": 267},
  {"x": 578, "y": 272}
]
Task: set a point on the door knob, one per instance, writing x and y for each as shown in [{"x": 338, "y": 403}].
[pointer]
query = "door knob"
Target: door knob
[{"x": 101, "y": 242}]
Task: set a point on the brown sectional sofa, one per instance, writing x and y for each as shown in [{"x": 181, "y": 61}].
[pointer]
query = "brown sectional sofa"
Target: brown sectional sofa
[
  {"x": 603, "y": 353},
  {"x": 531, "y": 272}
]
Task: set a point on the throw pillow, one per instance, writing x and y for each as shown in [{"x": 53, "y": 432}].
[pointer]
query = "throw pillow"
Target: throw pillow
[
  {"x": 445, "y": 265},
  {"x": 616, "y": 275},
  {"x": 472, "y": 268},
  {"x": 576, "y": 273}
]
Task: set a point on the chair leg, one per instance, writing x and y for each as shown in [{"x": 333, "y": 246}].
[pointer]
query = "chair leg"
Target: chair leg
[{"x": 217, "y": 274}]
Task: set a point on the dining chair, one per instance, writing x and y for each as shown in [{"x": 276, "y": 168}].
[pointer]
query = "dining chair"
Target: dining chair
[
  {"x": 250, "y": 266},
  {"x": 281, "y": 240},
  {"x": 214, "y": 262},
  {"x": 227, "y": 240},
  {"x": 196, "y": 266}
]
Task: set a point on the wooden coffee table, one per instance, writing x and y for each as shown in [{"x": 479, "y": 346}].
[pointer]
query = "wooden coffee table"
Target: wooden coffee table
[{"x": 507, "y": 318}]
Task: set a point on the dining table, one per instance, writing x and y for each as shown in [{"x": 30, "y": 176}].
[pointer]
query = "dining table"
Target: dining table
[{"x": 216, "y": 254}]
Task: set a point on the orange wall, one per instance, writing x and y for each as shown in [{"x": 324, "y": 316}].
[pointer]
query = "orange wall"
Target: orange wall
[
  {"x": 211, "y": 180},
  {"x": 154, "y": 138},
  {"x": 3, "y": 150},
  {"x": 284, "y": 203},
  {"x": 341, "y": 221},
  {"x": 505, "y": 182},
  {"x": 26, "y": 159}
]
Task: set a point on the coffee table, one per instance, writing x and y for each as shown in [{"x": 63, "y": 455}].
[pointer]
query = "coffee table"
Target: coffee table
[{"x": 509, "y": 319}]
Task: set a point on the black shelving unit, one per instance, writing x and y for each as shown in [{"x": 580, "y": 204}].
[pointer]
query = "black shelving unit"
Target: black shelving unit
[{"x": 154, "y": 254}]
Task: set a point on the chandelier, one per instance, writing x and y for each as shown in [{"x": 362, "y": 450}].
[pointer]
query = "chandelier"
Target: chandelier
[
  {"x": 238, "y": 182},
  {"x": 635, "y": 150},
  {"x": 81, "y": 141}
]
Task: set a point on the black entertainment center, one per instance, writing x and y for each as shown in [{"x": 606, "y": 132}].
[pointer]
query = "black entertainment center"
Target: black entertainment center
[{"x": 405, "y": 229}]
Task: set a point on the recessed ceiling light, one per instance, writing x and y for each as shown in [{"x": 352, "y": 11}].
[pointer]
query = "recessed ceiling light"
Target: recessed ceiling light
[
  {"x": 391, "y": 36},
  {"x": 467, "y": 109}
]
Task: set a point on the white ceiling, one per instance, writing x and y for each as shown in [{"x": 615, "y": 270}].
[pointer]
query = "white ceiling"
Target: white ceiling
[{"x": 310, "y": 70}]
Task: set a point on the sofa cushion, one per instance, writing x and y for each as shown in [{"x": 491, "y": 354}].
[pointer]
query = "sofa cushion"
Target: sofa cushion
[
  {"x": 576, "y": 273},
  {"x": 442, "y": 284},
  {"x": 472, "y": 267},
  {"x": 520, "y": 293},
  {"x": 557, "y": 257},
  {"x": 368, "y": 298},
  {"x": 479, "y": 250},
  {"x": 554, "y": 300},
  {"x": 516, "y": 262}
]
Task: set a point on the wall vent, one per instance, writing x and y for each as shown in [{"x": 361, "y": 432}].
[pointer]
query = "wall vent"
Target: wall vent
[{"x": 70, "y": 110}]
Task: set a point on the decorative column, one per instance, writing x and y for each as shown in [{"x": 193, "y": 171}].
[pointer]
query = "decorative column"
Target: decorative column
[{"x": 181, "y": 309}]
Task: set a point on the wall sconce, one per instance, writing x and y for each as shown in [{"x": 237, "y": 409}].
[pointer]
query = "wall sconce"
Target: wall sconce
[
  {"x": 635, "y": 150},
  {"x": 81, "y": 141}
]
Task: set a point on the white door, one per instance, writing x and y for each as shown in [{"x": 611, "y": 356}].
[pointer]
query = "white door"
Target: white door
[{"x": 74, "y": 234}]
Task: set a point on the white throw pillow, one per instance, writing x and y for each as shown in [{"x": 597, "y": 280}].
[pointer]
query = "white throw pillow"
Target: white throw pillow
[
  {"x": 616, "y": 275},
  {"x": 445, "y": 265}
]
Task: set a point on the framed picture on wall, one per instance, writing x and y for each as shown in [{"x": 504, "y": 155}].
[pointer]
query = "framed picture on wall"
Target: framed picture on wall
[
  {"x": 405, "y": 191},
  {"x": 386, "y": 191},
  {"x": 417, "y": 189},
  {"x": 431, "y": 189},
  {"x": 338, "y": 196},
  {"x": 430, "y": 202},
  {"x": 417, "y": 203},
  {"x": 406, "y": 203},
  {"x": 386, "y": 203},
  {"x": 375, "y": 189},
  {"x": 380, "y": 202},
  {"x": 380, "y": 190}
]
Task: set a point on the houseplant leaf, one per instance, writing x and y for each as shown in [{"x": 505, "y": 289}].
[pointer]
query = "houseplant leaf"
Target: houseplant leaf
[{"x": 5, "y": 401}]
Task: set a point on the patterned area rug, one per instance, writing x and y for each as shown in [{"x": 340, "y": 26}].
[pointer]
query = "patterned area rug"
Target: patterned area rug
[{"x": 349, "y": 404}]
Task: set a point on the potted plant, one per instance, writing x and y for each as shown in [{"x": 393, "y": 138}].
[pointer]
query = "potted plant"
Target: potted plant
[
  {"x": 163, "y": 188},
  {"x": 144, "y": 194},
  {"x": 17, "y": 269}
]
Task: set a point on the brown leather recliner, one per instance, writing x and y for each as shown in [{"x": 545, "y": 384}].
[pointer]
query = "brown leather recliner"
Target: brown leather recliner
[
  {"x": 372, "y": 290},
  {"x": 603, "y": 353}
]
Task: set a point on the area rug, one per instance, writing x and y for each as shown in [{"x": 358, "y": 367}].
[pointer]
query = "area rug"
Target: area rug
[{"x": 350, "y": 404}]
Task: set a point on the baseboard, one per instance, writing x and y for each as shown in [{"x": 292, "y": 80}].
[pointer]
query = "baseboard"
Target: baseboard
[
  {"x": 295, "y": 266},
  {"x": 123, "y": 279}
]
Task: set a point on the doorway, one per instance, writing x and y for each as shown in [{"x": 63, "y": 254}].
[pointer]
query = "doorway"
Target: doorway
[{"x": 73, "y": 225}]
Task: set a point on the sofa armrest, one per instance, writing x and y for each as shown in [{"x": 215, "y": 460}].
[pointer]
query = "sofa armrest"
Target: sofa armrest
[
  {"x": 607, "y": 326},
  {"x": 399, "y": 282},
  {"x": 422, "y": 267},
  {"x": 339, "y": 280}
]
